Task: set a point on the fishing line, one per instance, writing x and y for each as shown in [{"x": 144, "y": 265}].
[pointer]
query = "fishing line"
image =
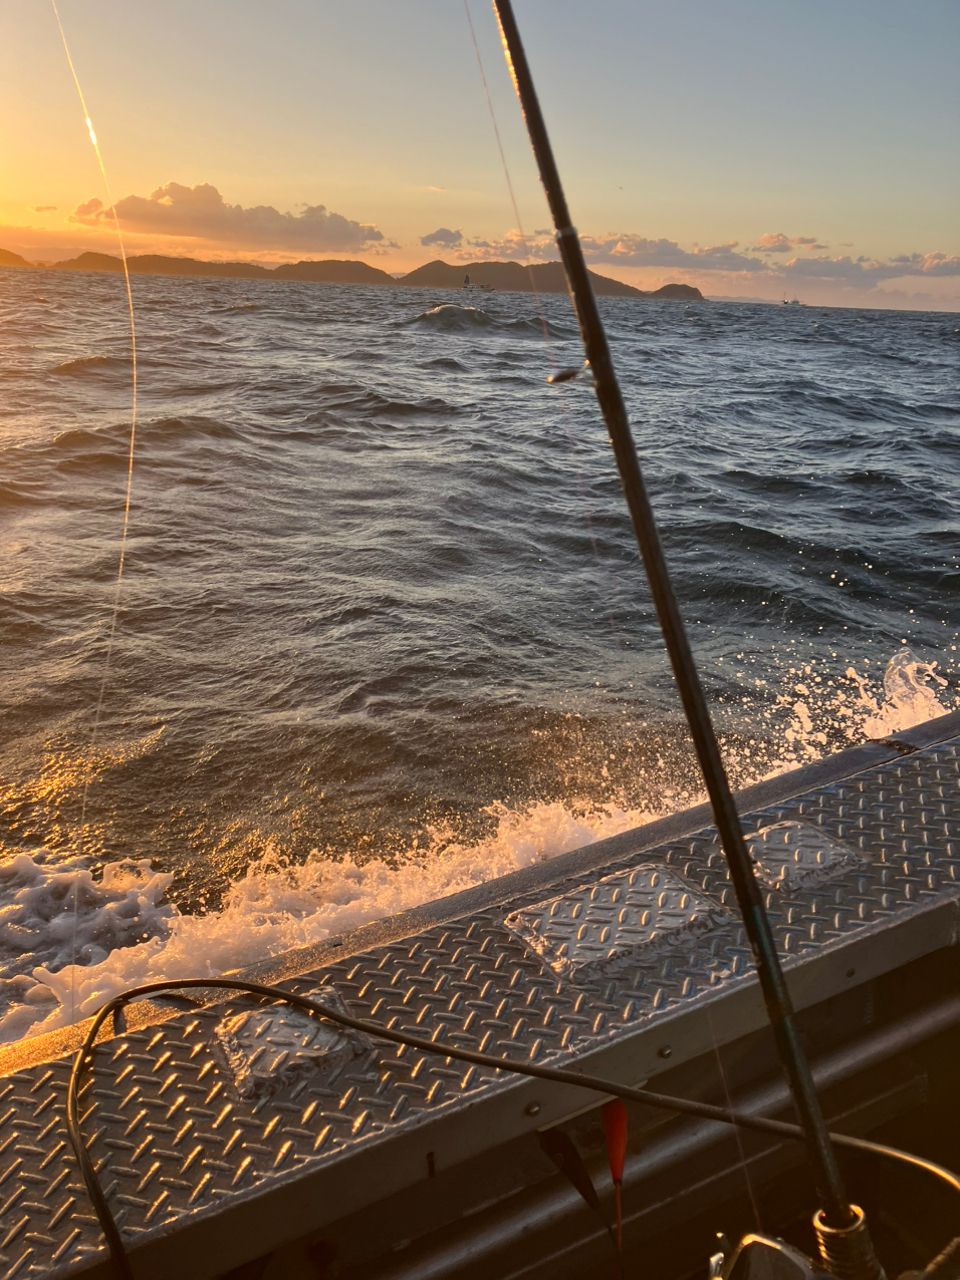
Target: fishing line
[
  {"x": 738, "y": 1136},
  {"x": 128, "y": 491},
  {"x": 557, "y": 375},
  {"x": 507, "y": 178},
  {"x": 597, "y": 1084}
]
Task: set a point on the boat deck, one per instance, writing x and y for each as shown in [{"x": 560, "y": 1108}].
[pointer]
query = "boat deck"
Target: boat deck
[{"x": 223, "y": 1123}]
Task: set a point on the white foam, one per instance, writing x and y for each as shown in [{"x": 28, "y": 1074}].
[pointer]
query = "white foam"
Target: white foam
[
  {"x": 53, "y": 913},
  {"x": 822, "y": 711},
  {"x": 124, "y": 932},
  {"x": 908, "y": 696},
  {"x": 274, "y": 908}
]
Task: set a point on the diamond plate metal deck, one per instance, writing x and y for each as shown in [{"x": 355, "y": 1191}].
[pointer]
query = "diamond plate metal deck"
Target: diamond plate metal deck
[
  {"x": 618, "y": 922},
  {"x": 228, "y": 1124}
]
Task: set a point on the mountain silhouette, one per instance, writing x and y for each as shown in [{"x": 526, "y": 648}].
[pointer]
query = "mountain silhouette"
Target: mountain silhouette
[{"x": 504, "y": 277}]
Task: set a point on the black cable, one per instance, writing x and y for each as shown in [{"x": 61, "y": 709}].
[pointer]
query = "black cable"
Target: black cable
[
  {"x": 831, "y": 1190},
  {"x": 556, "y": 1075}
]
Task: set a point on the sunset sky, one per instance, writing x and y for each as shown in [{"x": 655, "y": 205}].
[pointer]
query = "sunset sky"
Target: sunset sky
[{"x": 754, "y": 148}]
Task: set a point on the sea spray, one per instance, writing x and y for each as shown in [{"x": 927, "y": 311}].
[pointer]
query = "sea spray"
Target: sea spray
[
  {"x": 274, "y": 907},
  {"x": 909, "y": 697},
  {"x": 128, "y": 933},
  {"x": 823, "y": 713}
]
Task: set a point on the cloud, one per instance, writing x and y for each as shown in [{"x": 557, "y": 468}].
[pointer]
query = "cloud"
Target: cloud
[
  {"x": 638, "y": 251},
  {"x": 44, "y": 208},
  {"x": 632, "y": 250},
  {"x": 444, "y": 236},
  {"x": 936, "y": 264},
  {"x": 773, "y": 242},
  {"x": 201, "y": 213},
  {"x": 621, "y": 250},
  {"x": 512, "y": 244},
  {"x": 777, "y": 242},
  {"x": 868, "y": 272}
]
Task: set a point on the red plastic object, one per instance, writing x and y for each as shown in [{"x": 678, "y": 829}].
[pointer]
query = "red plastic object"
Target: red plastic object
[{"x": 615, "y": 1132}]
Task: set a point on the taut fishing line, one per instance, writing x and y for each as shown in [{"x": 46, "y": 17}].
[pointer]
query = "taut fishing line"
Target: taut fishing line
[
  {"x": 559, "y": 375},
  {"x": 128, "y": 491},
  {"x": 507, "y": 178},
  {"x": 738, "y": 1136}
]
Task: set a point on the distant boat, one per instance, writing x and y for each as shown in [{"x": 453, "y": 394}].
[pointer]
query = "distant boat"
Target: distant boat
[
  {"x": 792, "y": 302},
  {"x": 481, "y": 288}
]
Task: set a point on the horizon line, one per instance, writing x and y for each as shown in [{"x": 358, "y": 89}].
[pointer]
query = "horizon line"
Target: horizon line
[{"x": 94, "y": 261}]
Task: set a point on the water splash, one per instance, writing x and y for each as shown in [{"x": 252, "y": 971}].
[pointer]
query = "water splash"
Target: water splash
[
  {"x": 826, "y": 713},
  {"x": 76, "y": 924},
  {"x": 909, "y": 698},
  {"x": 129, "y": 933}
]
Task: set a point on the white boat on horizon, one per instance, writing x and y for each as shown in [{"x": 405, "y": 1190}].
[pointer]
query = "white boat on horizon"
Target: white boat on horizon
[{"x": 474, "y": 286}]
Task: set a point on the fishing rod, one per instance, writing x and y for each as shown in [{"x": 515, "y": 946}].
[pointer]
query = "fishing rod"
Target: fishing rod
[{"x": 838, "y": 1220}]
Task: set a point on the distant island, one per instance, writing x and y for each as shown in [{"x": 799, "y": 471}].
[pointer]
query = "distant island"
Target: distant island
[
  {"x": 544, "y": 277},
  {"x": 8, "y": 259},
  {"x": 505, "y": 277}
]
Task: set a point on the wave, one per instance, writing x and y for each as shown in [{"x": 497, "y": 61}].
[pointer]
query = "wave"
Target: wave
[
  {"x": 85, "y": 366},
  {"x": 451, "y": 317},
  {"x": 870, "y": 353},
  {"x": 157, "y": 430},
  {"x": 20, "y": 493},
  {"x": 108, "y": 447},
  {"x": 347, "y": 401},
  {"x": 61, "y": 964},
  {"x": 126, "y": 932},
  {"x": 188, "y": 427},
  {"x": 538, "y": 328},
  {"x": 446, "y": 363}
]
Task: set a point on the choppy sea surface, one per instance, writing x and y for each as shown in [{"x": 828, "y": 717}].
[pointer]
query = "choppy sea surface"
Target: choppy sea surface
[{"x": 382, "y": 630}]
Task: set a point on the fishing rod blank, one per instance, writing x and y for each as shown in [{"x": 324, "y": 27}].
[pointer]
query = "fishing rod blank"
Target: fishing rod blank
[{"x": 837, "y": 1207}]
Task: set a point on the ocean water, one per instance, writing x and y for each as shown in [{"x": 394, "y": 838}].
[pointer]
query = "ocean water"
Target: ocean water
[{"x": 383, "y": 632}]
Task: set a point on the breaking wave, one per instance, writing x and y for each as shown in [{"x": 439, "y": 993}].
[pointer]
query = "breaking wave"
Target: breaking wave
[
  {"x": 449, "y": 317},
  {"x": 452, "y": 317},
  {"x": 124, "y": 931}
]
